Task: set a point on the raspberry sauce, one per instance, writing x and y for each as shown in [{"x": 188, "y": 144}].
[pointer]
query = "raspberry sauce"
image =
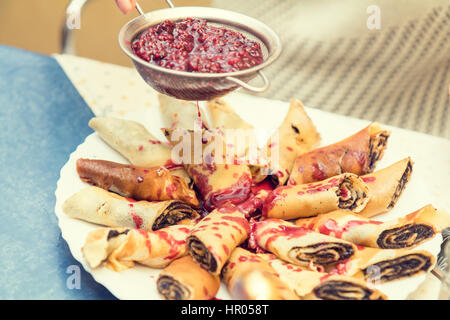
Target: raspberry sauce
[{"x": 192, "y": 45}]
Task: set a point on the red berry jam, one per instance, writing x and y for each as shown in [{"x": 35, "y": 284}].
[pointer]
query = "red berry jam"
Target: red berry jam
[{"x": 192, "y": 45}]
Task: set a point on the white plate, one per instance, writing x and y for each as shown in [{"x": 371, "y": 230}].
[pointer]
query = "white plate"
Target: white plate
[{"x": 140, "y": 282}]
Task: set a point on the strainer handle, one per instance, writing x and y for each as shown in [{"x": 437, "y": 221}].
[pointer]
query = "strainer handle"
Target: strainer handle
[{"x": 252, "y": 88}]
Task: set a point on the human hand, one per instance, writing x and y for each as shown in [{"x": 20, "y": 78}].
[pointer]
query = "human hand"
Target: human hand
[{"x": 126, "y": 5}]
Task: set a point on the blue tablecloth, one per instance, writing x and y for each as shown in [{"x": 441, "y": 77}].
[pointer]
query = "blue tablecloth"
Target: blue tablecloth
[{"x": 42, "y": 120}]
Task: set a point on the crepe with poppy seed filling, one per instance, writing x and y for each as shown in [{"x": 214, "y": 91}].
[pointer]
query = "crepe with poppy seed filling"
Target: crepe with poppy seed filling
[
  {"x": 184, "y": 279},
  {"x": 346, "y": 191},
  {"x": 133, "y": 141},
  {"x": 224, "y": 117},
  {"x": 240, "y": 136},
  {"x": 312, "y": 285},
  {"x": 102, "y": 207},
  {"x": 140, "y": 183},
  {"x": 357, "y": 154},
  {"x": 248, "y": 276},
  {"x": 180, "y": 113},
  {"x": 219, "y": 180},
  {"x": 386, "y": 265},
  {"x": 301, "y": 246},
  {"x": 404, "y": 232},
  {"x": 120, "y": 248},
  {"x": 386, "y": 186},
  {"x": 296, "y": 135},
  {"x": 214, "y": 238}
]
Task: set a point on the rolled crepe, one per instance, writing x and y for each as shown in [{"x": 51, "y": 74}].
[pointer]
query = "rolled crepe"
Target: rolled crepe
[
  {"x": 295, "y": 136},
  {"x": 250, "y": 277},
  {"x": 300, "y": 246},
  {"x": 384, "y": 265},
  {"x": 252, "y": 206},
  {"x": 181, "y": 114},
  {"x": 386, "y": 186},
  {"x": 140, "y": 183},
  {"x": 136, "y": 144},
  {"x": 405, "y": 232},
  {"x": 311, "y": 285},
  {"x": 215, "y": 237},
  {"x": 120, "y": 248},
  {"x": 217, "y": 181},
  {"x": 261, "y": 171},
  {"x": 357, "y": 154},
  {"x": 225, "y": 118},
  {"x": 346, "y": 191},
  {"x": 99, "y": 206},
  {"x": 184, "y": 279}
]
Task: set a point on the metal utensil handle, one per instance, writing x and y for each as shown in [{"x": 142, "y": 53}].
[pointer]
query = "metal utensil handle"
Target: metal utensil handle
[
  {"x": 141, "y": 12},
  {"x": 438, "y": 273},
  {"x": 265, "y": 86}
]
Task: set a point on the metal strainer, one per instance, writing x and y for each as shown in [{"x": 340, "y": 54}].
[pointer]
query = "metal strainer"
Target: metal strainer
[{"x": 201, "y": 86}]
